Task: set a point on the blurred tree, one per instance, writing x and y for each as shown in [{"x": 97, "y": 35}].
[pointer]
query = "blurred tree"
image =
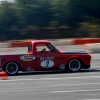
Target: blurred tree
[
  {"x": 7, "y": 18},
  {"x": 7, "y": 15},
  {"x": 93, "y": 8},
  {"x": 34, "y": 12},
  {"x": 76, "y": 13},
  {"x": 69, "y": 12},
  {"x": 60, "y": 9},
  {"x": 45, "y": 13},
  {"x": 81, "y": 11}
]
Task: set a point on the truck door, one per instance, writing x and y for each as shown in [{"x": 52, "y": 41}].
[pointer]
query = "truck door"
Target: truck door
[{"x": 47, "y": 58}]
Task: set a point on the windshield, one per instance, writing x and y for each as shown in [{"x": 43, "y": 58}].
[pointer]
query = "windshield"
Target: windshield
[{"x": 55, "y": 46}]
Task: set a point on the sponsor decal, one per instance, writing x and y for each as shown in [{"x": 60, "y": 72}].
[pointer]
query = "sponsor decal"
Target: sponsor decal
[
  {"x": 47, "y": 63},
  {"x": 46, "y": 58},
  {"x": 27, "y": 57}
]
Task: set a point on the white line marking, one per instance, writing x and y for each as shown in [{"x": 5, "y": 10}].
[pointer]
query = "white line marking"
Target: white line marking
[
  {"x": 60, "y": 78},
  {"x": 73, "y": 91},
  {"x": 76, "y": 84}
]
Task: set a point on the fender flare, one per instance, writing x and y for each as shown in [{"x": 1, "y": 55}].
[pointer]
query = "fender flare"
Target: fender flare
[{"x": 74, "y": 57}]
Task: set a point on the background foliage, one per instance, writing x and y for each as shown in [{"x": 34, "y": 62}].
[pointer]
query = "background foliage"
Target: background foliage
[{"x": 49, "y": 19}]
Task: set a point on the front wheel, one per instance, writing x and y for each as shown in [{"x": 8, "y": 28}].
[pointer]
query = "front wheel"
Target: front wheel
[
  {"x": 74, "y": 65},
  {"x": 12, "y": 68}
]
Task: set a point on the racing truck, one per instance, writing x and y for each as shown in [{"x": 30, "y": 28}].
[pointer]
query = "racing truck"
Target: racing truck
[{"x": 43, "y": 55}]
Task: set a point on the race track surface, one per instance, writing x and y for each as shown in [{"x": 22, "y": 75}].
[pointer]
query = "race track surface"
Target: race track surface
[{"x": 83, "y": 85}]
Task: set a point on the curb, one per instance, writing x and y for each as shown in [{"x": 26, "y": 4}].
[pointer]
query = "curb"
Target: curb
[{"x": 85, "y": 41}]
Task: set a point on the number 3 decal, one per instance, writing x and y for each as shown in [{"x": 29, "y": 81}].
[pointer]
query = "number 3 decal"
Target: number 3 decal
[{"x": 47, "y": 63}]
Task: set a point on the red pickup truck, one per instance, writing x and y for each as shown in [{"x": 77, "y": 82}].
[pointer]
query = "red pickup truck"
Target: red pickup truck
[{"x": 42, "y": 55}]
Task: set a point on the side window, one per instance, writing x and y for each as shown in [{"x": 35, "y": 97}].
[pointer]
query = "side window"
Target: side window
[{"x": 44, "y": 48}]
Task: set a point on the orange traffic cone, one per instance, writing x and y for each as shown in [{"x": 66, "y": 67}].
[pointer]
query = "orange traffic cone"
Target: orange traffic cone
[{"x": 3, "y": 75}]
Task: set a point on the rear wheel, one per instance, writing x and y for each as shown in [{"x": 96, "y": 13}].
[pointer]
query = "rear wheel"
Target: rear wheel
[
  {"x": 74, "y": 65},
  {"x": 12, "y": 68}
]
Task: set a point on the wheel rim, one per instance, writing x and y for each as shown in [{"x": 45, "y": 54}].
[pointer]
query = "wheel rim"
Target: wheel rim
[
  {"x": 74, "y": 65},
  {"x": 12, "y": 68}
]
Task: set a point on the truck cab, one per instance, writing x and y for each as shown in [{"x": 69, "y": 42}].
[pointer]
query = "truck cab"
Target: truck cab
[
  {"x": 47, "y": 55},
  {"x": 41, "y": 46}
]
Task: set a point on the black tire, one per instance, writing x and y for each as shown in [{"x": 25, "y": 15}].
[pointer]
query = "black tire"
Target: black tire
[
  {"x": 74, "y": 65},
  {"x": 12, "y": 68}
]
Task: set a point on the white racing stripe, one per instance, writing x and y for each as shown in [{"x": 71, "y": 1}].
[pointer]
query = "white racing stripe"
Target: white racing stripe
[
  {"x": 59, "y": 78},
  {"x": 74, "y": 91}
]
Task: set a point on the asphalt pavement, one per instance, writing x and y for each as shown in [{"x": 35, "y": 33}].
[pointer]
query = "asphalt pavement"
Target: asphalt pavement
[{"x": 83, "y": 85}]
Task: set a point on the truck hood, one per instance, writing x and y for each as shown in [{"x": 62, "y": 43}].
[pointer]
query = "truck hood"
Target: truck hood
[
  {"x": 13, "y": 53},
  {"x": 75, "y": 52}
]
